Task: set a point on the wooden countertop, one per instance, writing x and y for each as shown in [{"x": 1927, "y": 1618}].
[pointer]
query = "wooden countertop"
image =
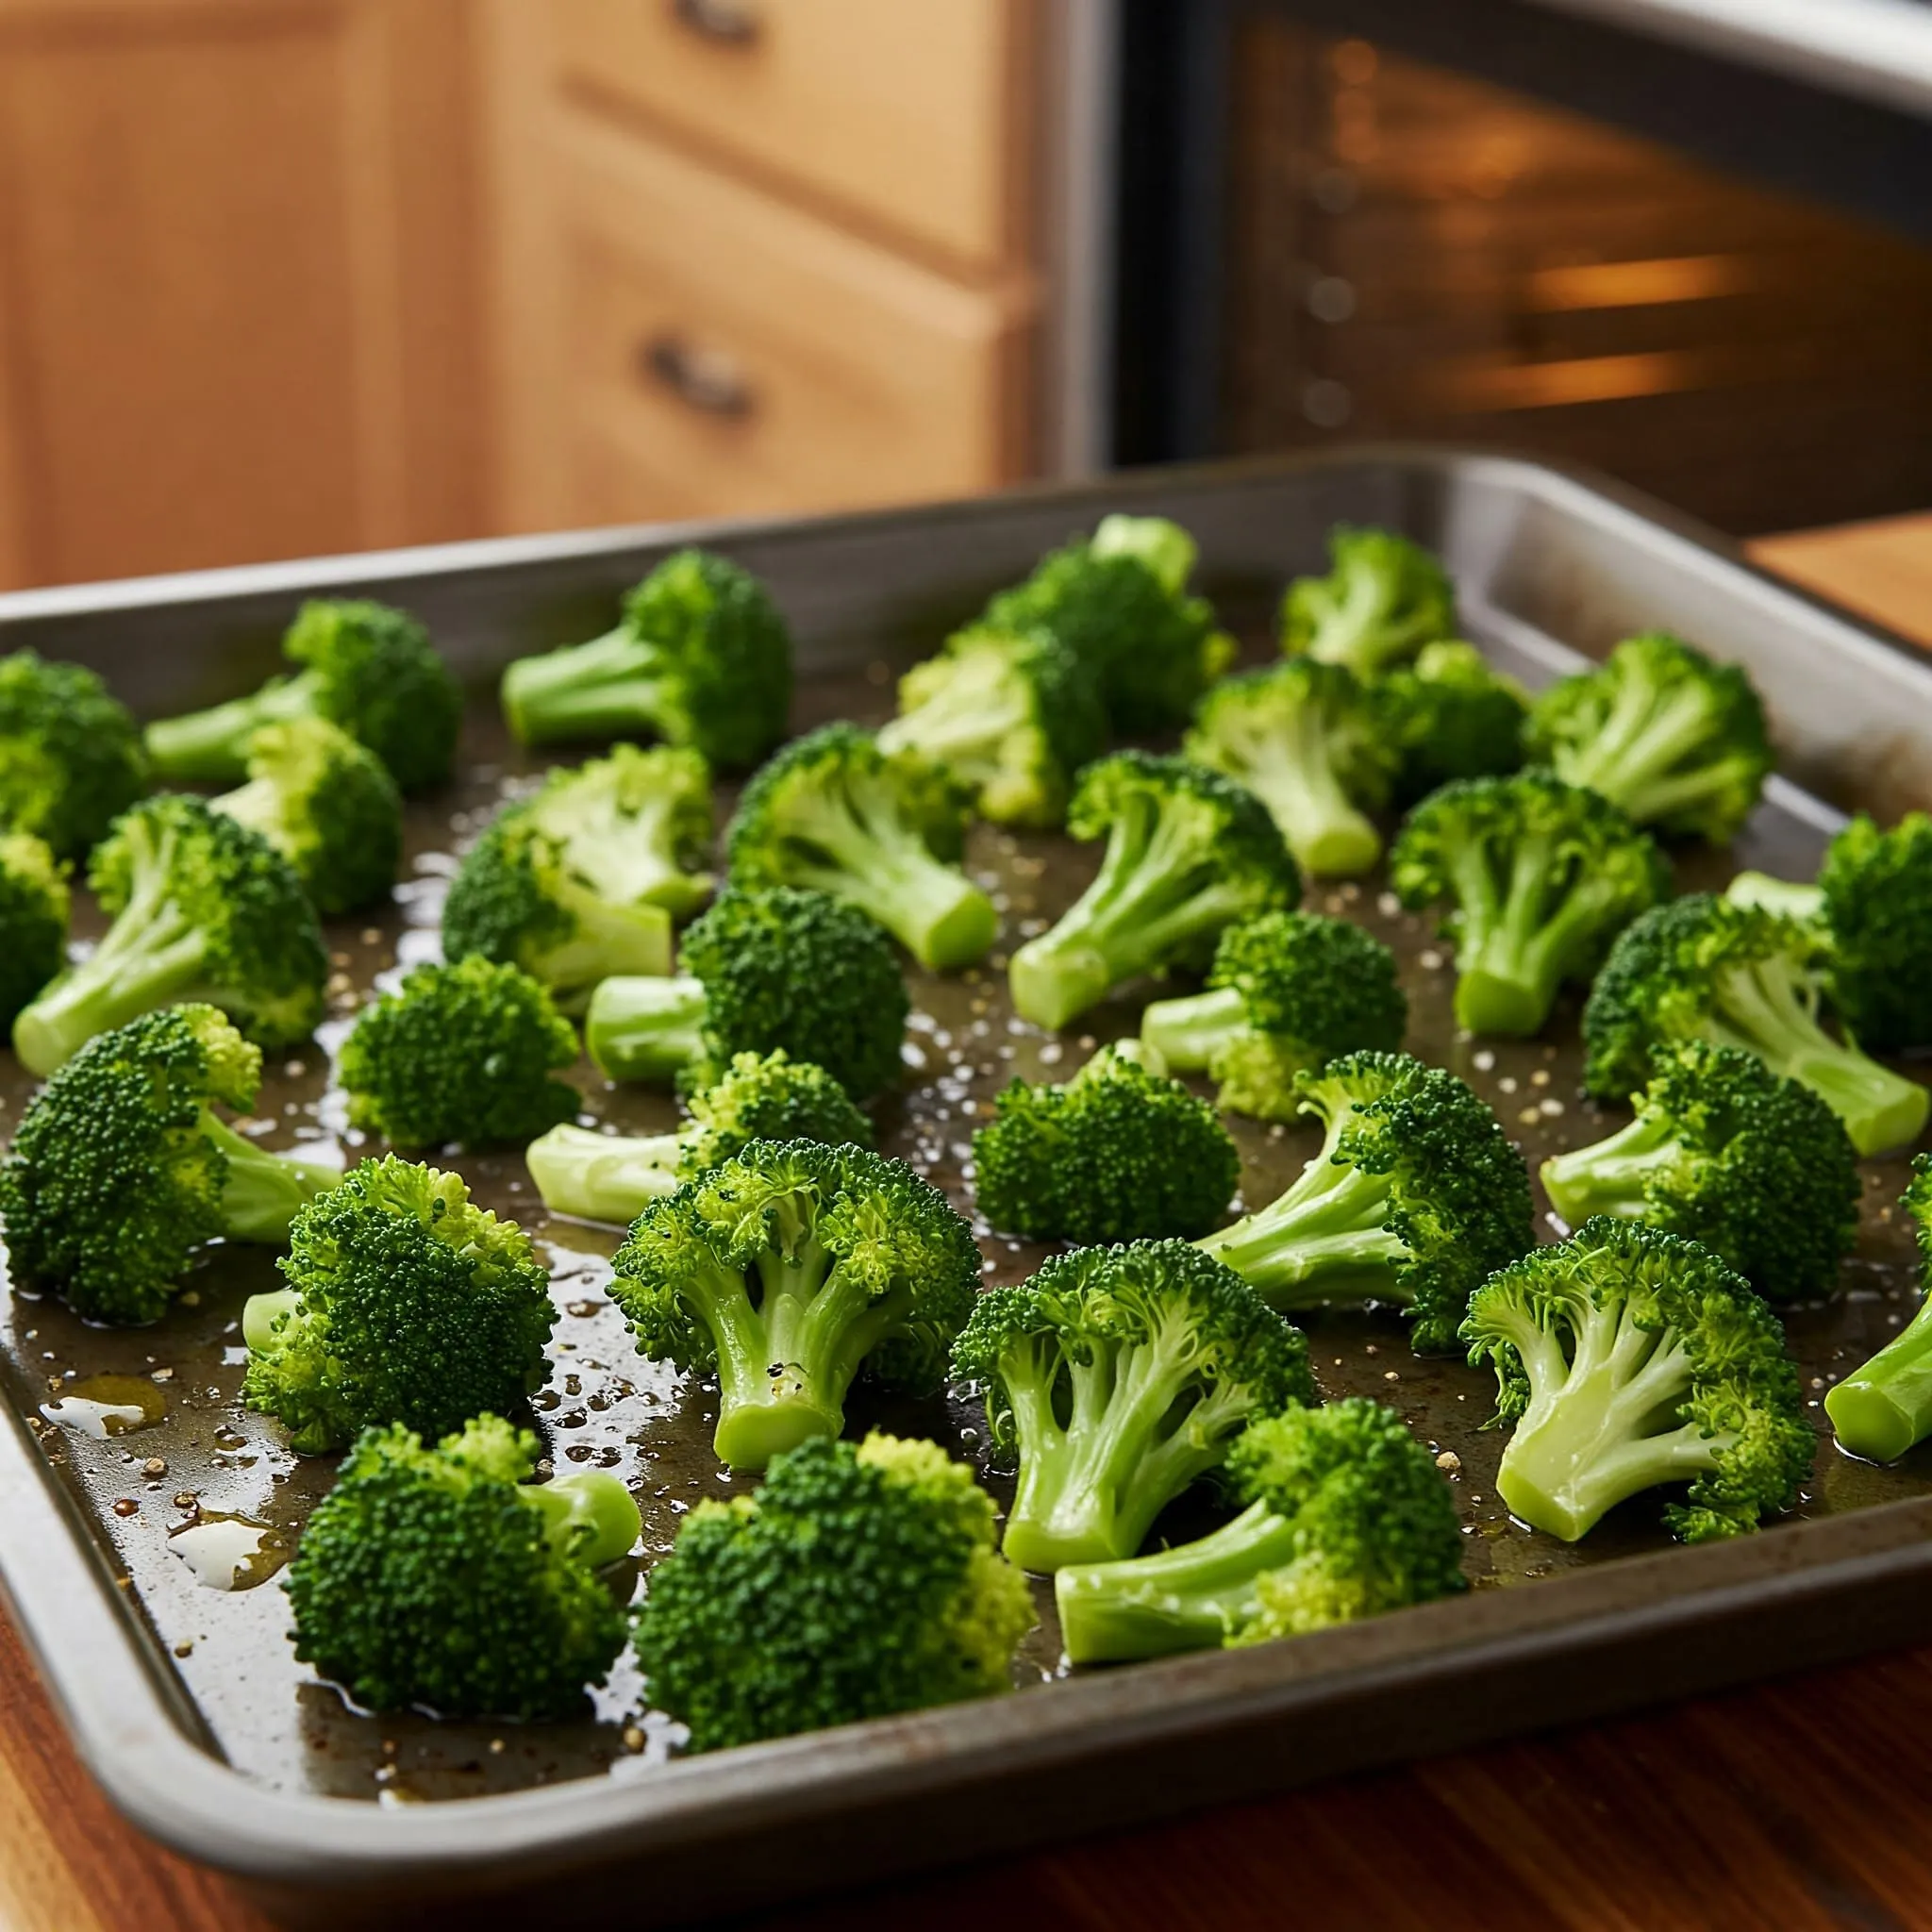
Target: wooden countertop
[{"x": 1801, "y": 1805}]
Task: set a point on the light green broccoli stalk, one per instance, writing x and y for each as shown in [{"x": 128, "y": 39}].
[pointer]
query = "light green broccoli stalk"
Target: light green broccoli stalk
[{"x": 1880, "y": 1411}]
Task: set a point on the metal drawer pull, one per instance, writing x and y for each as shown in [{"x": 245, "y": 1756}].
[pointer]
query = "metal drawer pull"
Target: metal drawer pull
[
  {"x": 732, "y": 21},
  {"x": 707, "y": 379}
]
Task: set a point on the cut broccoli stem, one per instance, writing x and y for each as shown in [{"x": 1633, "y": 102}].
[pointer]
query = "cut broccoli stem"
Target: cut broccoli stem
[
  {"x": 1510, "y": 957},
  {"x": 1325, "y": 829},
  {"x": 591, "y": 1516},
  {"x": 1629, "y": 759},
  {"x": 1880, "y": 1411},
  {"x": 1188, "y": 1033},
  {"x": 600, "y": 1176},
  {"x": 265, "y": 1318},
  {"x": 212, "y": 747},
  {"x": 644, "y": 1028},
  {"x": 263, "y": 1191},
  {"x": 1611, "y": 1176},
  {"x": 1324, "y": 1236},
  {"x": 1783, "y": 896},
  {"x": 603, "y": 689},
  {"x": 1192, "y": 1597}
]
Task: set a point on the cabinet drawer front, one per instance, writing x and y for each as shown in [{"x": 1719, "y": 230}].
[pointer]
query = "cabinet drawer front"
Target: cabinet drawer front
[
  {"x": 723, "y": 352},
  {"x": 911, "y": 112}
]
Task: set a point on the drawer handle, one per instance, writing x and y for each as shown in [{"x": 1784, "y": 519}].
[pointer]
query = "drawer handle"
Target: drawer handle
[
  {"x": 707, "y": 379},
  {"x": 733, "y": 22}
]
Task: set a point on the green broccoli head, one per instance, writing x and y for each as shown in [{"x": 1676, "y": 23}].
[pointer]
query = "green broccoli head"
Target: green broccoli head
[
  {"x": 406, "y": 1304},
  {"x": 1189, "y": 854},
  {"x": 1875, "y": 893},
  {"x": 1451, "y": 714},
  {"x": 71, "y": 755},
  {"x": 122, "y": 1168},
  {"x": 832, "y": 812},
  {"x": 1120, "y": 1153},
  {"x": 788, "y": 1271},
  {"x": 1120, "y": 603},
  {"x": 1416, "y": 1196},
  {"x": 1660, "y": 729},
  {"x": 1539, "y": 877},
  {"x": 1730, "y": 1153},
  {"x": 438, "y": 1578},
  {"x": 1885, "y": 1407},
  {"x": 702, "y": 657},
  {"x": 637, "y": 825},
  {"x": 328, "y": 806},
  {"x": 1701, "y": 968},
  {"x": 1013, "y": 715},
  {"x": 614, "y": 1178},
  {"x": 460, "y": 1052},
  {"x": 1383, "y": 599},
  {"x": 1348, "y": 1517},
  {"x": 34, "y": 903},
  {"x": 1119, "y": 1376},
  {"x": 1288, "y": 991},
  {"x": 364, "y": 667},
  {"x": 1629, "y": 1359},
  {"x": 1309, "y": 740},
  {"x": 856, "y": 1582},
  {"x": 203, "y": 909}
]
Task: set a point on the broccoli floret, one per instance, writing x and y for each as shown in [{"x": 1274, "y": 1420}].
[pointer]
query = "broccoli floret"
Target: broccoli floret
[
  {"x": 1451, "y": 714},
  {"x": 1658, "y": 728},
  {"x": 1383, "y": 599},
  {"x": 1416, "y": 1195},
  {"x": 1120, "y": 603},
  {"x": 701, "y": 658},
  {"x": 1701, "y": 968},
  {"x": 1308, "y": 739},
  {"x": 439, "y": 1578},
  {"x": 615, "y": 1177},
  {"x": 1539, "y": 877},
  {"x": 1288, "y": 991},
  {"x": 788, "y": 1271},
  {"x": 1012, "y": 714},
  {"x": 1348, "y": 1517},
  {"x": 581, "y": 883},
  {"x": 122, "y": 1168},
  {"x": 856, "y": 1582},
  {"x": 1188, "y": 853},
  {"x": 776, "y": 968},
  {"x": 462, "y": 1052},
  {"x": 202, "y": 909},
  {"x": 366, "y": 667},
  {"x": 1118, "y": 1376},
  {"x": 1627, "y": 1359},
  {"x": 1730, "y": 1153},
  {"x": 833, "y": 813},
  {"x": 1880, "y": 1411},
  {"x": 328, "y": 806},
  {"x": 404, "y": 1303},
  {"x": 1120, "y": 1153},
  {"x": 34, "y": 903},
  {"x": 71, "y": 755}
]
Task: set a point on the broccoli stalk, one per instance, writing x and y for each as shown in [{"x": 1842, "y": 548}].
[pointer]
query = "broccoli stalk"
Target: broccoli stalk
[
  {"x": 1383, "y": 599},
  {"x": 644, "y": 1028},
  {"x": 1881, "y": 1410},
  {"x": 1784, "y": 897}
]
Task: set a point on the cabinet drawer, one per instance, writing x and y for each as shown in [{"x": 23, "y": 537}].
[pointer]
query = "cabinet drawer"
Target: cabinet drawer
[
  {"x": 911, "y": 112},
  {"x": 723, "y": 352}
]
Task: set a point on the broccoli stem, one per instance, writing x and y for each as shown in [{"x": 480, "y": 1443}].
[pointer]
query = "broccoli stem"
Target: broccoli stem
[
  {"x": 1322, "y": 1240},
  {"x": 212, "y": 747},
  {"x": 1610, "y": 1175},
  {"x": 1192, "y": 1597},
  {"x": 593, "y": 1516},
  {"x": 645, "y": 1028},
  {"x": 265, "y": 1320},
  {"x": 1188, "y": 1033},
  {"x": 608, "y": 688},
  {"x": 1510, "y": 957},
  {"x": 263, "y": 1191},
  {"x": 1631, "y": 758},
  {"x": 1782, "y": 896},
  {"x": 606, "y": 941},
  {"x": 603, "y": 1177},
  {"x": 1881, "y": 1410},
  {"x": 1324, "y": 828},
  {"x": 982, "y": 706},
  {"x": 933, "y": 910}
]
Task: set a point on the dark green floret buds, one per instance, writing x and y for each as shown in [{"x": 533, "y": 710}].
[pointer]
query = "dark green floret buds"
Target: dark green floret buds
[
  {"x": 1730, "y": 1153},
  {"x": 1189, "y": 854},
  {"x": 1348, "y": 1517},
  {"x": 1120, "y": 1153},
  {"x": 701, "y": 656},
  {"x": 854, "y": 1583},
  {"x": 1451, "y": 714},
  {"x": 34, "y": 904},
  {"x": 122, "y": 1168},
  {"x": 71, "y": 755},
  {"x": 406, "y": 1304},
  {"x": 1119, "y": 1376},
  {"x": 786, "y": 1273},
  {"x": 1882, "y": 1409},
  {"x": 1539, "y": 877},
  {"x": 1628, "y": 1359},
  {"x": 1415, "y": 1197},
  {"x": 461, "y": 1053},
  {"x": 441, "y": 1579},
  {"x": 1677, "y": 740},
  {"x": 1287, "y": 993},
  {"x": 1710, "y": 969},
  {"x": 1383, "y": 599},
  {"x": 202, "y": 909},
  {"x": 364, "y": 667}
]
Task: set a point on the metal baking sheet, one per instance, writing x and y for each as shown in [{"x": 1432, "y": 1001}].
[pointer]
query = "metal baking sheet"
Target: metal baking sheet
[{"x": 185, "y": 1699}]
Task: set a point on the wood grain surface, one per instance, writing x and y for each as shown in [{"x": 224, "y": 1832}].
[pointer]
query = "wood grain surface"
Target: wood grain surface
[{"x": 1804, "y": 1804}]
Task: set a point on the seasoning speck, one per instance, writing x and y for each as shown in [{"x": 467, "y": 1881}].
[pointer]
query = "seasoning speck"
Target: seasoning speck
[
  {"x": 155, "y": 1465},
  {"x": 1449, "y": 1463}
]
